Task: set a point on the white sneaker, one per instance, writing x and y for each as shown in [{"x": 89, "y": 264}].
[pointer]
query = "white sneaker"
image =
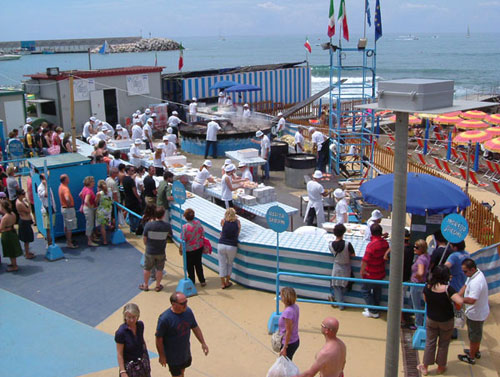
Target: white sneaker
[{"x": 367, "y": 314}]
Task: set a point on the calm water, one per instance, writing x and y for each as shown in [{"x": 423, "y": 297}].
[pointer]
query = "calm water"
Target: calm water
[{"x": 471, "y": 62}]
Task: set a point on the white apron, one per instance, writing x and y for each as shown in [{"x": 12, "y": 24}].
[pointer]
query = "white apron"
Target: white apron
[
  {"x": 198, "y": 189},
  {"x": 320, "y": 213}
]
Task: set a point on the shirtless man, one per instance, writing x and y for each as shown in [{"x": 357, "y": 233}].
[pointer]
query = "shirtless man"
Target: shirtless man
[{"x": 330, "y": 360}]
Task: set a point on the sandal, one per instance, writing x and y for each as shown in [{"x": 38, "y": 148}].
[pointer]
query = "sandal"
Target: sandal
[
  {"x": 12, "y": 269},
  {"x": 229, "y": 285},
  {"x": 203, "y": 284},
  {"x": 30, "y": 256},
  {"x": 422, "y": 369},
  {"x": 144, "y": 287},
  {"x": 441, "y": 370},
  {"x": 467, "y": 352},
  {"x": 159, "y": 288},
  {"x": 466, "y": 359}
]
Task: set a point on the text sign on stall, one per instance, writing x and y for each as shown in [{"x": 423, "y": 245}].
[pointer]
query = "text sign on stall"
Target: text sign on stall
[
  {"x": 179, "y": 192},
  {"x": 277, "y": 219},
  {"x": 454, "y": 228}
]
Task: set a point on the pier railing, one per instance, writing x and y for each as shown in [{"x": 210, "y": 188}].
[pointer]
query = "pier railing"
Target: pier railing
[{"x": 484, "y": 226}]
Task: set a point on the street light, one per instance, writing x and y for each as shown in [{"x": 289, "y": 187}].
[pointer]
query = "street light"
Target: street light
[{"x": 403, "y": 97}]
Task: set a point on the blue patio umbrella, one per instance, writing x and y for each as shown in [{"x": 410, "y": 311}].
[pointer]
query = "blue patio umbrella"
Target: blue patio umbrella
[
  {"x": 243, "y": 88},
  {"x": 425, "y": 194},
  {"x": 223, "y": 84}
]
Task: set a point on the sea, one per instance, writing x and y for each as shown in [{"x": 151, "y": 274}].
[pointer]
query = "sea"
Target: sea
[{"x": 471, "y": 61}]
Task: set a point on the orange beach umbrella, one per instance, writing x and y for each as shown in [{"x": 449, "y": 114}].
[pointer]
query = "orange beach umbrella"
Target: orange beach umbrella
[
  {"x": 474, "y": 136},
  {"x": 493, "y": 145},
  {"x": 474, "y": 114},
  {"x": 470, "y": 124},
  {"x": 493, "y": 119}
]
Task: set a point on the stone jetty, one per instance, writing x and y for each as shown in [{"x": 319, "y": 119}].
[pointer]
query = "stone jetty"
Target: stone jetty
[{"x": 146, "y": 44}]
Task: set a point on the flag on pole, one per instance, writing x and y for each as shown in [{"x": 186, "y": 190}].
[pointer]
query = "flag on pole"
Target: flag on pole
[
  {"x": 181, "y": 58},
  {"x": 378, "y": 21},
  {"x": 368, "y": 14},
  {"x": 343, "y": 19},
  {"x": 331, "y": 24},
  {"x": 307, "y": 45}
]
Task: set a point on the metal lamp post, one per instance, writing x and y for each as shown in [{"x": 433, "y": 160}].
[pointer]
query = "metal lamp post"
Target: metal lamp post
[{"x": 402, "y": 101}]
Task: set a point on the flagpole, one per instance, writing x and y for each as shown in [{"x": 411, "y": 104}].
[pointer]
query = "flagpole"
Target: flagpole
[{"x": 364, "y": 26}]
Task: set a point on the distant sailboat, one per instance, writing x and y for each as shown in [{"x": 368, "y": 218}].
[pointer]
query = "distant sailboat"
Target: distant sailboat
[
  {"x": 468, "y": 32},
  {"x": 104, "y": 48}
]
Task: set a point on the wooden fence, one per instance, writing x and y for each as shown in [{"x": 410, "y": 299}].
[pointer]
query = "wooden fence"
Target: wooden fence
[{"x": 484, "y": 226}]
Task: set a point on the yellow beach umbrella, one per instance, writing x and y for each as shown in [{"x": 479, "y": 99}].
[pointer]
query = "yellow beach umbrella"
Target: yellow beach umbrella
[
  {"x": 493, "y": 119},
  {"x": 411, "y": 119},
  {"x": 493, "y": 145},
  {"x": 470, "y": 124},
  {"x": 493, "y": 131},
  {"x": 447, "y": 119},
  {"x": 473, "y": 136},
  {"x": 426, "y": 115},
  {"x": 474, "y": 114}
]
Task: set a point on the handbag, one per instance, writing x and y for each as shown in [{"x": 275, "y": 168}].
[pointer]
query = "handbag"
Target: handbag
[
  {"x": 207, "y": 247},
  {"x": 140, "y": 367},
  {"x": 276, "y": 341},
  {"x": 458, "y": 314}
]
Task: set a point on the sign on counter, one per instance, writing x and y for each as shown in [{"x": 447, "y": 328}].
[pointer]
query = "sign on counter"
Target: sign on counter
[
  {"x": 277, "y": 219},
  {"x": 179, "y": 192}
]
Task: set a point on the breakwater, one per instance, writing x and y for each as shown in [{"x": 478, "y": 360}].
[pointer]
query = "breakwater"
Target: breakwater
[{"x": 142, "y": 45}]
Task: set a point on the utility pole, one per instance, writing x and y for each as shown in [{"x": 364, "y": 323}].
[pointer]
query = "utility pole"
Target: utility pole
[{"x": 72, "y": 113}]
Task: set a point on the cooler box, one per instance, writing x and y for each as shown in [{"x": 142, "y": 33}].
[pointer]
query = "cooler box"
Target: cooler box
[{"x": 415, "y": 94}]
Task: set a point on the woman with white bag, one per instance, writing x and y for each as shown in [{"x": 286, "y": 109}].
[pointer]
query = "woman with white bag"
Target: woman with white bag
[{"x": 288, "y": 323}]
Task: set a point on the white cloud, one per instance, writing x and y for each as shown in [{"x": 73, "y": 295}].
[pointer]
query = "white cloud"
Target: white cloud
[
  {"x": 434, "y": 7},
  {"x": 271, "y": 6}
]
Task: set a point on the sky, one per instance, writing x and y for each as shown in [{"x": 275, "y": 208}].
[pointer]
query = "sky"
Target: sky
[{"x": 59, "y": 19}]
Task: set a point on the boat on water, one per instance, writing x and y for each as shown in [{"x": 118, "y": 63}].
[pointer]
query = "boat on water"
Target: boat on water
[
  {"x": 9, "y": 57},
  {"x": 468, "y": 32}
]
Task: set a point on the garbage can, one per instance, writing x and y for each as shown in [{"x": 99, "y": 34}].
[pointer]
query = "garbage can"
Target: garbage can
[
  {"x": 279, "y": 150},
  {"x": 298, "y": 165}
]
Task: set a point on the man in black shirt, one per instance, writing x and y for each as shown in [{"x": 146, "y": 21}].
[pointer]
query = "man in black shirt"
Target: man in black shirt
[
  {"x": 150, "y": 187},
  {"x": 437, "y": 255},
  {"x": 132, "y": 198}
]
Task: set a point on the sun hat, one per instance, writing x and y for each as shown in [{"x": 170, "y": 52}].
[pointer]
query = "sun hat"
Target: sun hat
[
  {"x": 259, "y": 133},
  {"x": 318, "y": 174},
  {"x": 230, "y": 168},
  {"x": 214, "y": 118},
  {"x": 165, "y": 137},
  {"x": 208, "y": 163},
  {"x": 242, "y": 165},
  {"x": 228, "y": 161},
  {"x": 148, "y": 111},
  {"x": 119, "y": 126},
  {"x": 138, "y": 142},
  {"x": 311, "y": 129},
  {"x": 221, "y": 94},
  {"x": 194, "y": 99},
  {"x": 280, "y": 114},
  {"x": 135, "y": 115},
  {"x": 98, "y": 122},
  {"x": 339, "y": 193},
  {"x": 150, "y": 120},
  {"x": 138, "y": 112},
  {"x": 92, "y": 119},
  {"x": 376, "y": 215},
  {"x": 245, "y": 105},
  {"x": 170, "y": 130},
  {"x": 175, "y": 113},
  {"x": 29, "y": 120}
]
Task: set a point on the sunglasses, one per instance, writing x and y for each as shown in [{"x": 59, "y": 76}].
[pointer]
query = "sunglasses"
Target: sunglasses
[{"x": 182, "y": 303}]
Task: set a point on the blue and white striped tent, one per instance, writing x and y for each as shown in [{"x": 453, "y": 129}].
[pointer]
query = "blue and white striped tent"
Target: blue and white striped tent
[{"x": 287, "y": 84}]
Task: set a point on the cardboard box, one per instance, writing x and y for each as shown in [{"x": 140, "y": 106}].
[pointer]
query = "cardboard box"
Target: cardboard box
[{"x": 248, "y": 153}]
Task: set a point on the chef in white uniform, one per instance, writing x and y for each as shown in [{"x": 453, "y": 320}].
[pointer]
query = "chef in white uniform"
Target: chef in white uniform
[
  {"x": 315, "y": 192},
  {"x": 203, "y": 175},
  {"x": 376, "y": 218},
  {"x": 246, "y": 111},
  {"x": 169, "y": 148},
  {"x": 227, "y": 185},
  {"x": 144, "y": 117},
  {"x": 246, "y": 174},
  {"x": 121, "y": 133},
  {"x": 299, "y": 141},
  {"x": 280, "y": 127},
  {"x": 137, "y": 131},
  {"x": 341, "y": 215},
  {"x": 221, "y": 100},
  {"x": 193, "y": 109},
  {"x": 135, "y": 154},
  {"x": 147, "y": 134},
  {"x": 88, "y": 129},
  {"x": 171, "y": 136}
]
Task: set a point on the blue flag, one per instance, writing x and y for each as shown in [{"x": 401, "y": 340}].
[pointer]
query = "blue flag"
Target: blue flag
[
  {"x": 378, "y": 21},
  {"x": 368, "y": 14}
]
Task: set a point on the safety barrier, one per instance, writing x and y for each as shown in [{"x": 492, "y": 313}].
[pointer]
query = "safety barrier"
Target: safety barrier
[{"x": 272, "y": 325}]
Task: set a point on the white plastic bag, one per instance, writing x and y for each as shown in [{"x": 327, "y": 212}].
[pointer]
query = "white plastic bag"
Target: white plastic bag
[{"x": 283, "y": 367}]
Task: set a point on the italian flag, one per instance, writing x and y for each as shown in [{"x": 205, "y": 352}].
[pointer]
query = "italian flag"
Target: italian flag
[
  {"x": 307, "y": 45},
  {"x": 331, "y": 24},
  {"x": 343, "y": 19},
  {"x": 181, "y": 58}
]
